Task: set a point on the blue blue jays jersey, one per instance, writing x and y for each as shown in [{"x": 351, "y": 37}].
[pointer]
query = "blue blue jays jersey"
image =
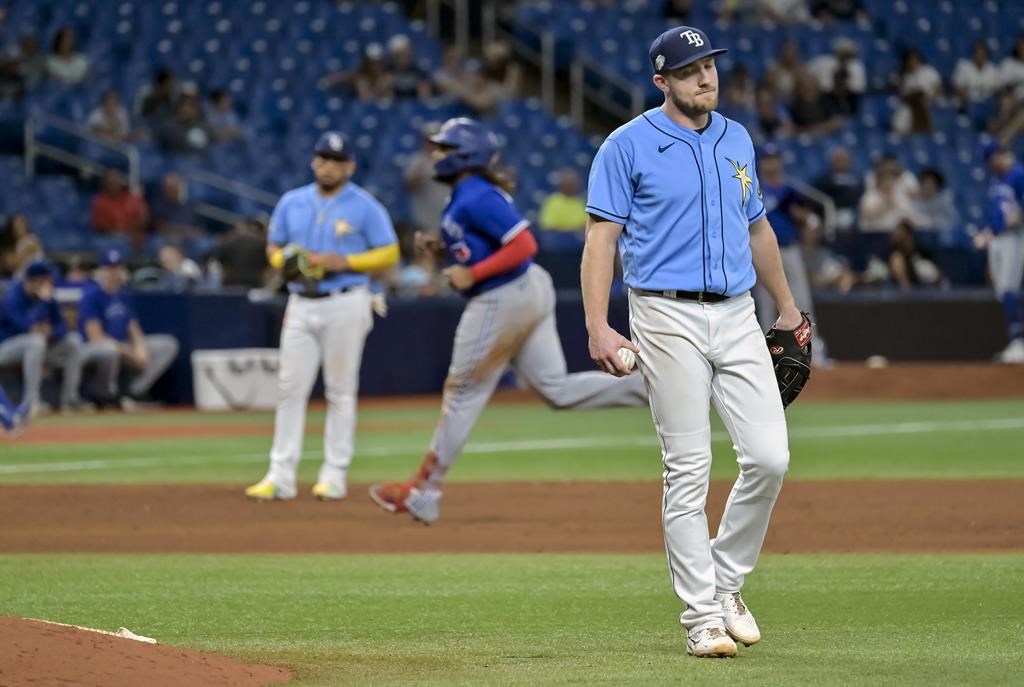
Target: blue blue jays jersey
[
  {"x": 115, "y": 312},
  {"x": 351, "y": 221},
  {"x": 778, "y": 204},
  {"x": 479, "y": 220},
  {"x": 1005, "y": 196},
  {"x": 686, "y": 201}
]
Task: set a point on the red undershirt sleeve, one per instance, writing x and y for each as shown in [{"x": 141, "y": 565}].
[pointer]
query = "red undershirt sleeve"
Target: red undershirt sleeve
[{"x": 522, "y": 247}]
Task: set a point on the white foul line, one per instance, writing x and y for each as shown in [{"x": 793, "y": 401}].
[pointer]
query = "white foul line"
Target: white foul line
[{"x": 484, "y": 448}]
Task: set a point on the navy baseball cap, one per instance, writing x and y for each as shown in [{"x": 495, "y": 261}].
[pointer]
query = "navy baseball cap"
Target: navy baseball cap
[
  {"x": 770, "y": 149},
  {"x": 333, "y": 144},
  {"x": 110, "y": 258},
  {"x": 36, "y": 269},
  {"x": 679, "y": 47}
]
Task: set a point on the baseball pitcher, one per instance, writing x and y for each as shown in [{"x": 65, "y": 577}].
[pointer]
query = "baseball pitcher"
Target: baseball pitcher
[
  {"x": 327, "y": 238},
  {"x": 676, "y": 189},
  {"x": 509, "y": 316}
]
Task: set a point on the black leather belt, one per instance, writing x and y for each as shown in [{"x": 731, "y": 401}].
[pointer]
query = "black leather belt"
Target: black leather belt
[
  {"x": 325, "y": 294},
  {"x": 699, "y": 296}
]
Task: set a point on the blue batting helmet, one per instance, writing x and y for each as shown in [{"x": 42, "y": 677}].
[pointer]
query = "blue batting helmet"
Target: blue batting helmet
[{"x": 472, "y": 146}]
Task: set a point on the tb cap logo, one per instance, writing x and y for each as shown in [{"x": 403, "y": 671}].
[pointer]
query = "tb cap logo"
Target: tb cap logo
[{"x": 693, "y": 38}]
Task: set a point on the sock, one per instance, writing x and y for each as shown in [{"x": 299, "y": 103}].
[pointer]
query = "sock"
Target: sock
[{"x": 1012, "y": 314}]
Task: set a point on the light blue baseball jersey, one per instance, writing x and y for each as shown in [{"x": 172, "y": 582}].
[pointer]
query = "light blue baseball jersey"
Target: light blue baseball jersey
[
  {"x": 1006, "y": 196},
  {"x": 685, "y": 199},
  {"x": 479, "y": 220},
  {"x": 352, "y": 221}
]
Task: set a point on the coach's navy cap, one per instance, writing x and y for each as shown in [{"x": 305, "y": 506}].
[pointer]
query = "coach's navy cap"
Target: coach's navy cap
[
  {"x": 110, "y": 258},
  {"x": 770, "y": 149},
  {"x": 37, "y": 268},
  {"x": 333, "y": 144},
  {"x": 679, "y": 47}
]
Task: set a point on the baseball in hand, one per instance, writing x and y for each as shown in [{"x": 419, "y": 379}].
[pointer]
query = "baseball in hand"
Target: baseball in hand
[{"x": 628, "y": 358}]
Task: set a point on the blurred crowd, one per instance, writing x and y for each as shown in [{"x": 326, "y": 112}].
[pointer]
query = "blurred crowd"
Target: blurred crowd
[{"x": 887, "y": 222}]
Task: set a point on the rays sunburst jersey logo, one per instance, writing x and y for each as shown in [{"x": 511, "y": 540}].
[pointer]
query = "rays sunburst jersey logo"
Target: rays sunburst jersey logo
[{"x": 745, "y": 181}]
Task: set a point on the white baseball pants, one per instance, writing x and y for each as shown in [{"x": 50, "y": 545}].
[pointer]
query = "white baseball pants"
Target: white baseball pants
[
  {"x": 693, "y": 355},
  {"x": 330, "y": 331}
]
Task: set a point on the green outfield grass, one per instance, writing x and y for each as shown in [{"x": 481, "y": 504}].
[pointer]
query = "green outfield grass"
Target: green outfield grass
[
  {"x": 531, "y": 442},
  {"x": 545, "y": 620}
]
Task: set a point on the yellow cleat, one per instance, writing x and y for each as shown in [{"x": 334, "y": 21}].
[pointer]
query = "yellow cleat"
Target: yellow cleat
[
  {"x": 329, "y": 491},
  {"x": 266, "y": 490}
]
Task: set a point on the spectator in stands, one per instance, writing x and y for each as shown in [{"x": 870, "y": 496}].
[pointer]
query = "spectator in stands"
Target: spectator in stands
[
  {"x": 449, "y": 79},
  {"x": 373, "y": 81},
  {"x": 677, "y": 11},
  {"x": 841, "y": 76},
  {"x": 242, "y": 255},
  {"x": 118, "y": 210},
  {"x": 179, "y": 272},
  {"x": 1011, "y": 69},
  {"x": 186, "y": 132},
  {"x": 825, "y": 268},
  {"x": 782, "y": 74},
  {"x": 565, "y": 209},
  {"x": 33, "y": 333},
  {"x": 739, "y": 91},
  {"x": 889, "y": 198},
  {"x": 827, "y": 11},
  {"x": 65, "y": 64},
  {"x": 739, "y": 10},
  {"x": 918, "y": 84},
  {"x": 156, "y": 101},
  {"x": 173, "y": 216},
  {"x": 909, "y": 265},
  {"x": 12, "y": 82},
  {"x": 18, "y": 246},
  {"x": 772, "y": 117},
  {"x": 410, "y": 80},
  {"x": 811, "y": 112},
  {"x": 843, "y": 185},
  {"x": 784, "y": 11},
  {"x": 976, "y": 80},
  {"x": 418, "y": 275},
  {"x": 109, "y": 324},
  {"x": 31, "y": 61},
  {"x": 110, "y": 119},
  {"x": 934, "y": 209},
  {"x": 495, "y": 80},
  {"x": 427, "y": 195},
  {"x": 1007, "y": 119},
  {"x": 221, "y": 118}
]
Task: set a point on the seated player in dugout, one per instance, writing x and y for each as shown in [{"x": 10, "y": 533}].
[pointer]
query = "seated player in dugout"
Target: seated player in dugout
[{"x": 509, "y": 316}]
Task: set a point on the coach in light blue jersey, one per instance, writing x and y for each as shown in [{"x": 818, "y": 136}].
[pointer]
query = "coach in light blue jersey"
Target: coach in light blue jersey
[{"x": 676, "y": 189}]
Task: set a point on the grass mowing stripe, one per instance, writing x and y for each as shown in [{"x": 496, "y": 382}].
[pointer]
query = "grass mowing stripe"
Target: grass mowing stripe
[{"x": 484, "y": 448}]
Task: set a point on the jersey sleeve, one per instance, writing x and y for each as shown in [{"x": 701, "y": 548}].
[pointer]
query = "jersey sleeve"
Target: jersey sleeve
[
  {"x": 88, "y": 308},
  {"x": 278, "y": 231},
  {"x": 610, "y": 187},
  {"x": 380, "y": 231},
  {"x": 493, "y": 215},
  {"x": 755, "y": 206}
]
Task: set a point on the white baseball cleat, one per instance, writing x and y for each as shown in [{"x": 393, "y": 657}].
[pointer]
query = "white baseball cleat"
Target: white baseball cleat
[
  {"x": 1012, "y": 354},
  {"x": 739, "y": 621},
  {"x": 711, "y": 642},
  {"x": 424, "y": 504}
]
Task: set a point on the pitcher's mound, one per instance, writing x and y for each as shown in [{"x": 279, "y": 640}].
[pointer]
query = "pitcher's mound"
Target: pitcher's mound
[{"x": 38, "y": 653}]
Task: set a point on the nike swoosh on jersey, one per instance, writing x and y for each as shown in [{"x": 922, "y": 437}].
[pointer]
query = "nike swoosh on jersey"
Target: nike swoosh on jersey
[{"x": 662, "y": 149}]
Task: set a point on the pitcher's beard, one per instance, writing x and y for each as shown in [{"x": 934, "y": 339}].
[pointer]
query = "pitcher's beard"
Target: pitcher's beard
[{"x": 693, "y": 109}]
